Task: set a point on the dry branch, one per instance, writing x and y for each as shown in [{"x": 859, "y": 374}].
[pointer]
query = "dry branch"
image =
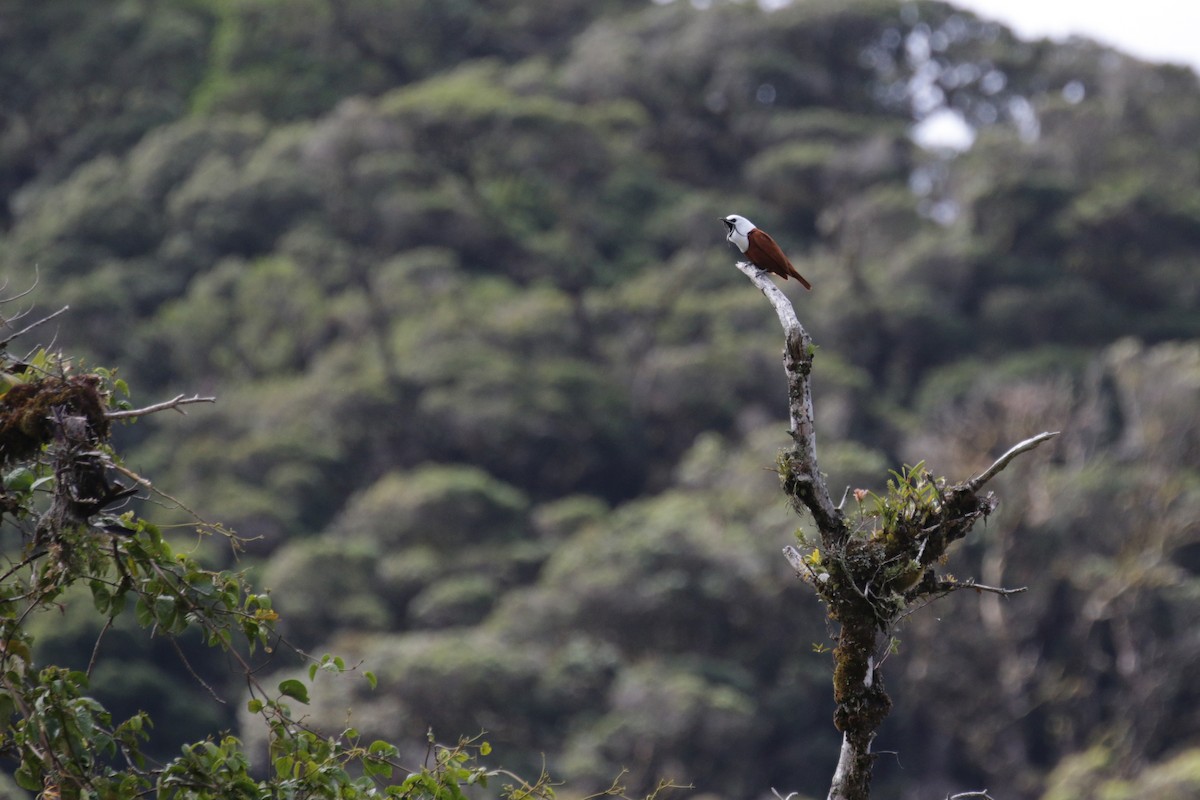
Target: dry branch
[
  {"x": 19, "y": 295},
  {"x": 32, "y": 325},
  {"x": 174, "y": 402},
  {"x": 1003, "y": 461},
  {"x": 979, "y": 587},
  {"x": 798, "y": 353}
]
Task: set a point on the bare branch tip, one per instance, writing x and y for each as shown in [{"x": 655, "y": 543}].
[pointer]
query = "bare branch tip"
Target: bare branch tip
[
  {"x": 1003, "y": 461},
  {"x": 175, "y": 403},
  {"x": 33, "y": 325},
  {"x": 1000, "y": 590},
  {"x": 794, "y": 558}
]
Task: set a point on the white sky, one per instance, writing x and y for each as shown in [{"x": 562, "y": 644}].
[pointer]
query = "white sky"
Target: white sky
[{"x": 1153, "y": 30}]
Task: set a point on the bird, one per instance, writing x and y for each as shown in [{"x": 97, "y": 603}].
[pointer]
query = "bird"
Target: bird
[{"x": 758, "y": 246}]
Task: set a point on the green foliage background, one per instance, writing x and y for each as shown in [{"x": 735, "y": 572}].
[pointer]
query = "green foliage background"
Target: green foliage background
[{"x": 499, "y": 416}]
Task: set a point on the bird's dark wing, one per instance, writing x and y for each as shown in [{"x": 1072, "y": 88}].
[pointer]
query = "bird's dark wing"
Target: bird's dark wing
[{"x": 768, "y": 255}]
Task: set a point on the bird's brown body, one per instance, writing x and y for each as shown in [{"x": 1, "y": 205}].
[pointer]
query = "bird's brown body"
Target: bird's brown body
[
  {"x": 764, "y": 253},
  {"x": 760, "y": 249}
]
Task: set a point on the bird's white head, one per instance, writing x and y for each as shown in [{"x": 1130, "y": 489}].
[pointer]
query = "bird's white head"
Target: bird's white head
[{"x": 738, "y": 230}]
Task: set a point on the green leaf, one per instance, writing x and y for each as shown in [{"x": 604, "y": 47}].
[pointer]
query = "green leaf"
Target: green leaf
[
  {"x": 117, "y": 604},
  {"x": 371, "y": 679},
  {"x": 19, "y": 480},
  {"x": 26, "y": 779},
  {"x": 376, "y": 768},
  {"x": 284, "y": 765},
  {"x": 254, "y": 705},
  {"x": 165, "y": 611},
  {"x": 101, "y": 596},
  {"x": 143, "y": 614},
  {"x": 381, "y": 749},
  {"x": 294, "y": 689}
]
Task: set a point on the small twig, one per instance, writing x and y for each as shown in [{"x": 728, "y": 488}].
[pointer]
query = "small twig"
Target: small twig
[
  {"x": 174, "y": 402},
  {"x": 944, "y": 588},
  {"x": 33, "y": 325},
  {"x": 979, "y": 480},
  {"x": 34, "y": 556},
  {"x": 845, "y": 494},
  {"x": 979, "y": 587},
  {"x": 175, "y": 502},
  {"x": 4, "y": 286},
  {"x": 982, "y": 793},
  {"x": 179, "y": 652},
  {"x": 893, "y": 644},
  {"x": 96, "y": 647}
]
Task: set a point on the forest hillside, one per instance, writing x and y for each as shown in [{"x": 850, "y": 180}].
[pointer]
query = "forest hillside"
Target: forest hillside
[{"x": 498, "y": 417}]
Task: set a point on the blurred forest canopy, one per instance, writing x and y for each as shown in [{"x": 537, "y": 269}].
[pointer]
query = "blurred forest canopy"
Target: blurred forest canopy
[{"x": 500, "y": 418}]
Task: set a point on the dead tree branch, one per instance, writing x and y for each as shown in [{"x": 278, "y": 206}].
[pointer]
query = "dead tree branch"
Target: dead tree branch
[
  {"x": 809, "y": 485},
  {"x": 32, "y": 325},
  {"x": 173, "y": 403},
  {"x": 1003, "y": 461},
  {"x": 872, "y": 577},
  {"x": 19, "y": 295},
  {"x": 979, "y": 587}
]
